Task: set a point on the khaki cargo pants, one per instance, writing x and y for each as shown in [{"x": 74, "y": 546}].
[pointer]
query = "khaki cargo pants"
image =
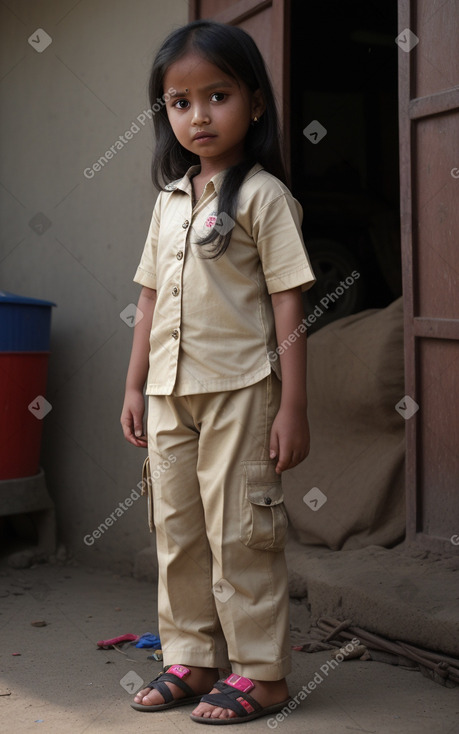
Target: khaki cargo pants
[{"x": 220, "y": 531}]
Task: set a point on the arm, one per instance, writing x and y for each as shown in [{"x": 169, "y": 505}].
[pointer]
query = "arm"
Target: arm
[
  {"x": 134, "y": 403},
  {"x": 290, "y": 430}
]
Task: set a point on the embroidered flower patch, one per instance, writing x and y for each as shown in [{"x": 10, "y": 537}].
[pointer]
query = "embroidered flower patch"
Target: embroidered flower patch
[{"x": 210, "y": 221}]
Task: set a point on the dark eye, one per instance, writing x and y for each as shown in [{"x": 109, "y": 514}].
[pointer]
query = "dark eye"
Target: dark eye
[
  {"x": 218, "y": 97},
  {"x": 181, "y": 104}
]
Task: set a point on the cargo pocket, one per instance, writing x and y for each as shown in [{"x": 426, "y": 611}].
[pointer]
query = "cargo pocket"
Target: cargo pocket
[{"x": 263, "y": 519}]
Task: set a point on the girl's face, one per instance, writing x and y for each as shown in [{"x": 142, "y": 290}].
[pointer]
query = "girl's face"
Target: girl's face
[{"x": 210, "y": 112}]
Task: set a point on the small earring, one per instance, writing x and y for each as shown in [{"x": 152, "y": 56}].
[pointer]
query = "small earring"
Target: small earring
[{"x": 255, "y": 119}]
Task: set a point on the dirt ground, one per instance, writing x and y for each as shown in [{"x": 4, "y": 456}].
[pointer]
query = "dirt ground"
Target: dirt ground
[{"x": 54, "y": 679}]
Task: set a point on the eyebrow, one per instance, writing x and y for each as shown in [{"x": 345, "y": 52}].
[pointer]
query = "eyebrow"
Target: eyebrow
[{"x": 214, "y": 85}]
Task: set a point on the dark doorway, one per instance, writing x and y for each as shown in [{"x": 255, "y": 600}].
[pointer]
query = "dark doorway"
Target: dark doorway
[{"x": 344, "y": 141}]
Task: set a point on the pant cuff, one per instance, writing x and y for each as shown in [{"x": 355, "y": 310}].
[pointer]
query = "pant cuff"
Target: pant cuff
[
  {"x": 264, "y": 671},
  {"x": 197, "y": 658}
]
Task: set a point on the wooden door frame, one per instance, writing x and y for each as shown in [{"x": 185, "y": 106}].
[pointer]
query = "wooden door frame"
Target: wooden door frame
[
  {"x": 412, "y": 109},
  {"x": 405, "y": 72}
]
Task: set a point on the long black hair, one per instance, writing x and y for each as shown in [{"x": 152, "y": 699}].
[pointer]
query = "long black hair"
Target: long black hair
[{"x": 236, "y": 54}]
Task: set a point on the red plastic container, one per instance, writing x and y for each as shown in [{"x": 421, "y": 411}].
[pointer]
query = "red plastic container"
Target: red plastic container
[
  {"x": 25, "y": 326},
  {"x": 22, "y": 384}
]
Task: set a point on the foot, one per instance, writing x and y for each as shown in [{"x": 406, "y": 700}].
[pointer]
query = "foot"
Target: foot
[
  {"x": 200, "y": 680},
  {"x": 266, "y": 693}
]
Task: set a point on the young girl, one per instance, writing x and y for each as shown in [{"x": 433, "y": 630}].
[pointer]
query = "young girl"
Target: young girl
[{"x": 221, "y": 273}]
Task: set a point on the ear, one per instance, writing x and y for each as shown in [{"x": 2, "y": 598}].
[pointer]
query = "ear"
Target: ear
[{"x": 258, "y": 104}]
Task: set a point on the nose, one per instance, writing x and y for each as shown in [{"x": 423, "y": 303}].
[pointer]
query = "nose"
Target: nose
[{"x": 201, "y": 115}]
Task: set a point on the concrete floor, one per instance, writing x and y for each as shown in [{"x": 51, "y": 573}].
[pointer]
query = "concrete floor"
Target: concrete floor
[{"x": 61, "y": 682}]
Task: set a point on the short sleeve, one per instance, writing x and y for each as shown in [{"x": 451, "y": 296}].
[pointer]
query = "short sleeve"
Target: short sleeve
[
  {"x": 146, "y": 272},
  {"x": 277, "y": 234}
]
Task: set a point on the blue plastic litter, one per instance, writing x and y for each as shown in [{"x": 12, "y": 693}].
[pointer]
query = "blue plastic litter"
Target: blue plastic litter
[{"x": 149, "y": 640}]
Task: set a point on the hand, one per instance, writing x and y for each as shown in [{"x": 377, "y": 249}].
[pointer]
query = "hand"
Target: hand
[
  {"x": 132, "y": 418},
  {"x": 290, "y": 438}
]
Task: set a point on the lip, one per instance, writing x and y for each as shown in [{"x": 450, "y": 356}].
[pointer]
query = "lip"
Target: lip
[{"x": 203, "y": 136}]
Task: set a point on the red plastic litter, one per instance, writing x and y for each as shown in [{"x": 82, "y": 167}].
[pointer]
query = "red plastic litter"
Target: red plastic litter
[{"x": 105, "y": 644}]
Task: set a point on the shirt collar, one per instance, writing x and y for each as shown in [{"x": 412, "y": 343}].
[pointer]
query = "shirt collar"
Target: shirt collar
[{"x": 184, "y": 184}]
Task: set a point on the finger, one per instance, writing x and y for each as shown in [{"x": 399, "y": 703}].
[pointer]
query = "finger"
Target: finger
[
  {"x": 280, "y": 467},
  {"x": 285, "y": 462},
  {"x": 139, "y": 442},
  {"x": 138, "y": 428},
  {"x": 273, "y": 446},
  {"x": 126, "y": 426},
  {"x": 129, "y": 435}
]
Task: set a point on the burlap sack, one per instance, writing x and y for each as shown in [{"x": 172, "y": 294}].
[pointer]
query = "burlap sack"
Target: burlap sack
[{"x": 355, "y": 379}]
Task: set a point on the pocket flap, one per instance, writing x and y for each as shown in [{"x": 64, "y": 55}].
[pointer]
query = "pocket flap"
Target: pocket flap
[
  {"x": 264, "y": 486},
  {"x": 147, "y": 488},
  {"x": 146, "y": 475}
]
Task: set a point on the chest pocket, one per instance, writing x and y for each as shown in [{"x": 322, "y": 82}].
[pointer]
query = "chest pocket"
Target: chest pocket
[{"x": 264, "y": 519}]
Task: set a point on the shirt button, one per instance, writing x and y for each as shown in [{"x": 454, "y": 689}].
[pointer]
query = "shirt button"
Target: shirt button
[
  {"x": 185, "y": 224},
  {"x": 175, "y": 334},
  {"x": 268, "y": 500},
  {"x": 175, "y": 291},
  {"x": 179, "y": 255}
]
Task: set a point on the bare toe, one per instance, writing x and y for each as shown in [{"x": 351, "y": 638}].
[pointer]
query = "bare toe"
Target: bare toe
[
  {"x": 149, "y": 697},
  {"x": 140, "y": 694},
  {"x": 216, "y": 712},
  {"x": 209, "y": 711}
]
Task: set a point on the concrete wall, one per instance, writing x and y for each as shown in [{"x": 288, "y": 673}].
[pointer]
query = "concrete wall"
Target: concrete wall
[{"x": 63, "y": 106}]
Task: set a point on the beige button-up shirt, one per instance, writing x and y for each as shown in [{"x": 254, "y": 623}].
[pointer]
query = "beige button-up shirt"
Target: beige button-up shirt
[{"x": 213, "y": 324}]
